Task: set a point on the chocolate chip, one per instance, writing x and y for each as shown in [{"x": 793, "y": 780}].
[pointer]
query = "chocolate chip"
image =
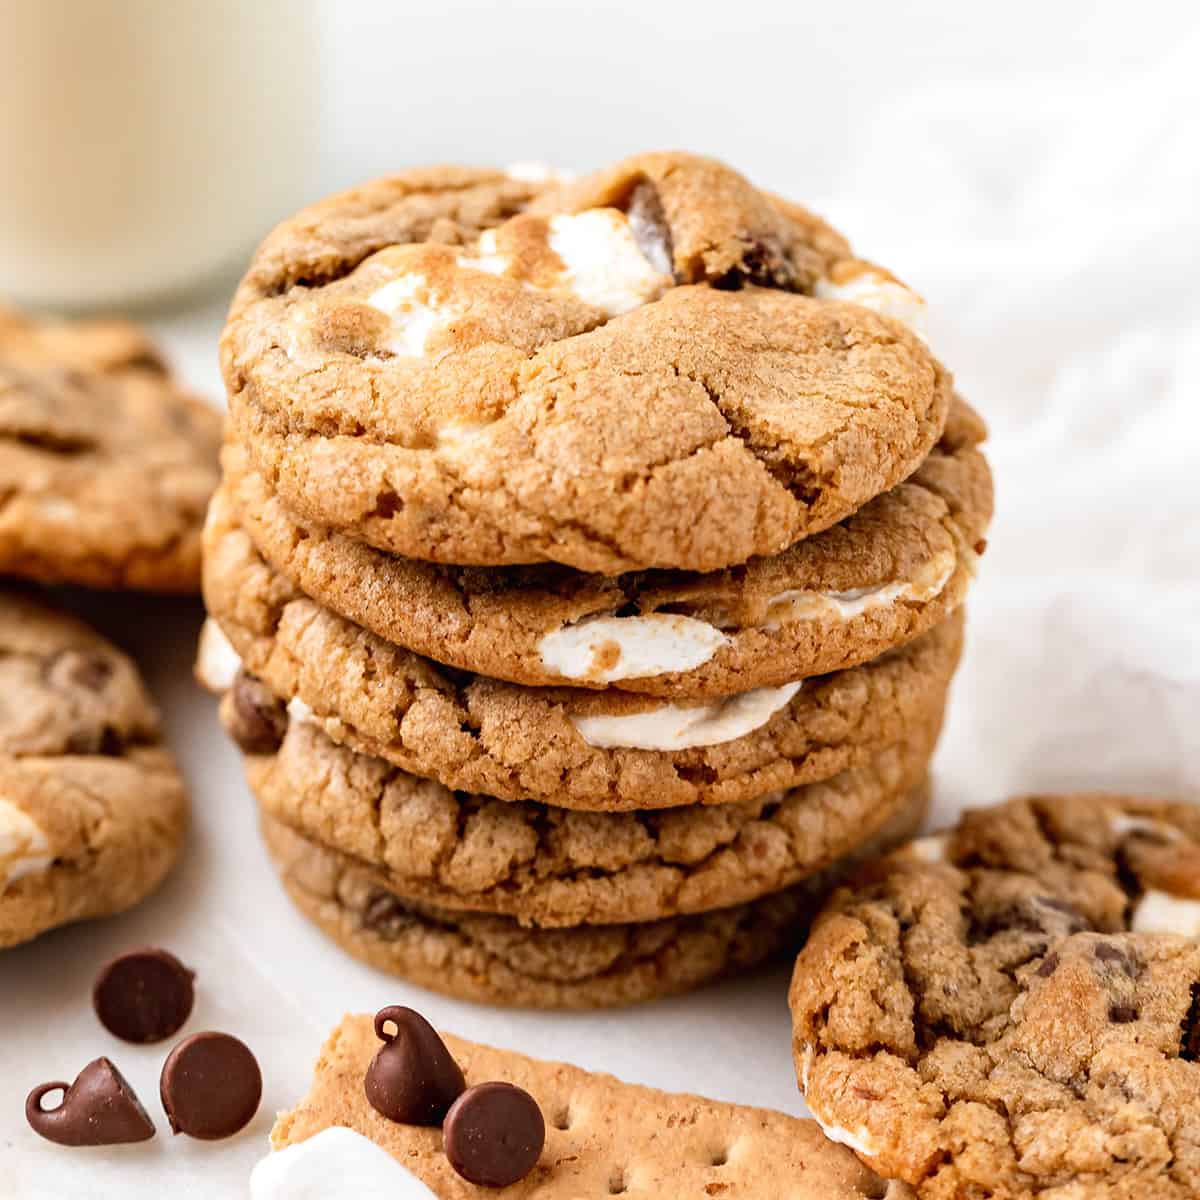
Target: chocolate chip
[
  {"x": 1120, "y": 957},
  {"x": 764, "y": 263},
  {"x": 90, "y": 671},
  {"x": 259, "y": 718},
  {"x": 104, "y": 740},
  {"x": 1122, "y": 1014},
  {"x": 494, "y": 1134},
  {"x": 1189, "y": 1049},
  {"x": 648, "y": 224},
  {"x": 413, "y": 1078},
  {"x": 1049, "y": 914},
  {"x": 144, "y": 995},
  {"x": 1048, "y": 967},
  {"x": 210, "y": 1086},
  {"x": 387, "y": 915},
  {"x": 70, "y": 669},
  {"x": 98, "y": 1109}
]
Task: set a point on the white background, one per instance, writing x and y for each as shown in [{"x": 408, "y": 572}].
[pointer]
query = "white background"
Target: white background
[{"x": 1033, "y": 169}]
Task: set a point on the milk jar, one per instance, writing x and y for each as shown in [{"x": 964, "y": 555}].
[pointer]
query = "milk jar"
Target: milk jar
[{"x": 147, "y": 145}]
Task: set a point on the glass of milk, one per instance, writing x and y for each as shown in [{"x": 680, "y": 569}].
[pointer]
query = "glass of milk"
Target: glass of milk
[{"x": 147, "y": 145}]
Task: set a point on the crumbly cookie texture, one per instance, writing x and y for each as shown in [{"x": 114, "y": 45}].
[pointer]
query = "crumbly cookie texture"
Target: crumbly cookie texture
[
  {"x": 562, "y": 746},
  {"x": 883, "y": 576},
  {"x": 495, "y": 960},
  {"x": 106, "y": 465},
  {"x": 552, "y": 867},
  {"x": 603, "y": 1137},
  {"x": 1012, "y": 1009},
  {"x": 92, "y": 809},
  {"x": 652, "y": 367}
]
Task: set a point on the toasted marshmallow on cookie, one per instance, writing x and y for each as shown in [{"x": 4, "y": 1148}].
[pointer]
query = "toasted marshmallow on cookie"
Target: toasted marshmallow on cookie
[
  {"x": 879, "y": 292},
  {"x": 603, "y": 649},
  {"x": 594, "y": 255}
]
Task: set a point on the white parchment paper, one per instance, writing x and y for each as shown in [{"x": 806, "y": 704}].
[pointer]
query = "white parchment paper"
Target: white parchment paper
[{"x": 1053, "y": 228}]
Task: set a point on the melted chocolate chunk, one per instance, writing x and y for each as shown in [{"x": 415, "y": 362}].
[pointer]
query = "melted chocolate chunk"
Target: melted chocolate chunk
[{"x": 259, "y": 717}]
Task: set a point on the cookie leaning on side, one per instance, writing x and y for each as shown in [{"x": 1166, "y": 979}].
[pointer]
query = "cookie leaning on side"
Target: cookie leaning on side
[{"x": 527, "y": 718}]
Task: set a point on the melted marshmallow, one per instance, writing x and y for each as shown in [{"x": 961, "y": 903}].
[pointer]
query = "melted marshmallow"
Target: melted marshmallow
[
  {"x": 413, "y": 319},
  {"x": 602, "y": 263},
  {"x": 217, "y": 662},
  {"x": 602, "y": 649},
  {"x": 24, "y": 846},
  {"x": 604, "y": 266},
  {"x": 335, "y": 1164},
  {"x": 930, "y": 849},
  {"x": 55, "y": 508},
  {"x": 855, "y": 1140},
  {"x": 300, "y": 712},
  {"x": 670, "y": 727},
  {"x": 880, "y": 294},
  {"x": 1122, "y": 825},
  {"x": 798, "y": 603},
  {"x": 1160, "y": 912}
]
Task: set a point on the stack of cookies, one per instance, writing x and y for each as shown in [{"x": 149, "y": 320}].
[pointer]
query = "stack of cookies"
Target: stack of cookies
[{"x": 585, "y": 579}]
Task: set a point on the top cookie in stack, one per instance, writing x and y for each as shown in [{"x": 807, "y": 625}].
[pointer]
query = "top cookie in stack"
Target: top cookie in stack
[{"x": 619, "y": 495}]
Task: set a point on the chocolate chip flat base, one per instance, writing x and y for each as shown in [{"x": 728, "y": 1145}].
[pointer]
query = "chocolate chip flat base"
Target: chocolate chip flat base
[
  {"x": 1012, "y": 1010},
  {"x": 494, "y": 960},
  {"x": 106, "y": 465},
  {"x": 603, "y": 1137},
  {"x": 552, "y": 867},
  {"x": 882, "y": 577},
  {"x": 92, "y": 808}
]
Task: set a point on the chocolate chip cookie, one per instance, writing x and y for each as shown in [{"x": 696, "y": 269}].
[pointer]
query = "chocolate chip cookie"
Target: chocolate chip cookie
[
  {"x": 1012, "y": 1009},
  {"x": 552, "y": 867},
  {"x": 657, "y": 366},
  {"x": 495, "y": 960},
  {"x": 106, "y": 464},
  {"x": 92, "y": 809},
  {"x": 569, "y": 747},
  {"x": 883, "y": 576}
]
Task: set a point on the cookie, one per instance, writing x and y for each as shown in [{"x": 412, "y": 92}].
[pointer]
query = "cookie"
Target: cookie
[
  {"x": 883, "y": 576},
  {"x": 659, "y": 366},
  {"x": 603, "y": 1137},
  {"x": 106, "y": 464},
  {"x": 92, "y": 809},
  {"x": 552, "y": 867},
  {"x": 1012, "y": 1009},
  {"x": 573, "y": 748},
  {"x": 495, "y": 960}
]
